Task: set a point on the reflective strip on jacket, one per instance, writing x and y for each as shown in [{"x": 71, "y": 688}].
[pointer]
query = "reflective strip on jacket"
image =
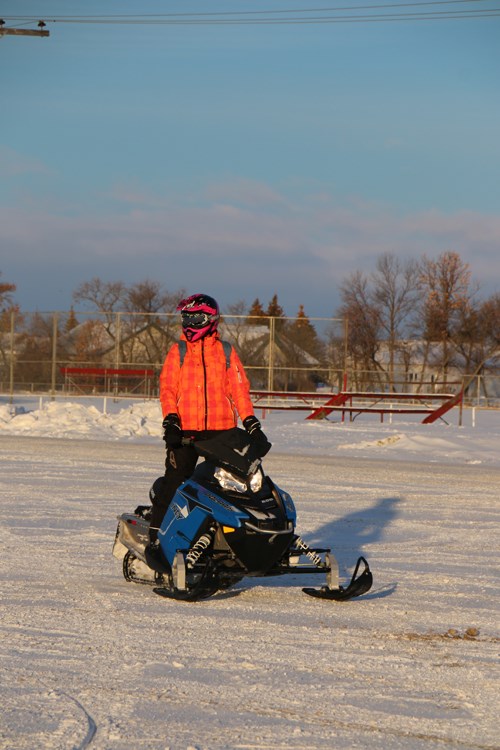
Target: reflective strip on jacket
[{"x": 204, "y": 392}]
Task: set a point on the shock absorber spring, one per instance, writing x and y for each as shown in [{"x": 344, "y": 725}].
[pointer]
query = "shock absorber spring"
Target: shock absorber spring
[
  {"x": 306, "y": 550},
  {"x": 198, "y": 549}
]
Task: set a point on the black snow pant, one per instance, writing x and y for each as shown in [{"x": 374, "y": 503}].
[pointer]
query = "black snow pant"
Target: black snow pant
[{"x": 179, "y": 465}]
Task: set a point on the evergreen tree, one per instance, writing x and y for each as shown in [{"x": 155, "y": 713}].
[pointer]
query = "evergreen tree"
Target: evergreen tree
[
  {"x": 71, "y": 321},
  {"x": 303, "y": 334},
  {"x": 274, "y": 309},
  {"x": 256, "y": 310},
  {"x": 302, "y": 320}
]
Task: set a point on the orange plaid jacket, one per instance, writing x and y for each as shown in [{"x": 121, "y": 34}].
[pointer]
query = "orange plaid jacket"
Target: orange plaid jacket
[{"x": 204, "y": 392}]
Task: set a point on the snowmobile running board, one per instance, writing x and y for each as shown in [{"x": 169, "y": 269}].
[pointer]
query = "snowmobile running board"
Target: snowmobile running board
[{"x": 358, "y": 585}]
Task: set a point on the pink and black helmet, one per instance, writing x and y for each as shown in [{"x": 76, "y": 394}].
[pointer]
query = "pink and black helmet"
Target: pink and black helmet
[{"x": 200, "y": 316}]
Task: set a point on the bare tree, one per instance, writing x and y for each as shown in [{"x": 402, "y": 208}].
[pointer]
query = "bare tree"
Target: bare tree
[
  {"x": 151, "y": 297},
  {"x": 395, "y": 290},
  {"x": 35, "y": 348},
  {"x": 364, "y": 326},
  {"x": 234, "y": 325},
  {"x": 106, "y": 297},
  {"x": 6, "y": 291},
  {"x": 477, "y": 339},
  {"x": 448, "y": 298},
  {"x": 490, "y": 322},
  {"x": 152, "y": 325},
  {"x": 7, "y": 307},
  {"x": 138, "y": 318}
]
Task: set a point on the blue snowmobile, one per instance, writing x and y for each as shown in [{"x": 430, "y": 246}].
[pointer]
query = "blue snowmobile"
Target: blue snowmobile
[{"x": 226, "y": 522}]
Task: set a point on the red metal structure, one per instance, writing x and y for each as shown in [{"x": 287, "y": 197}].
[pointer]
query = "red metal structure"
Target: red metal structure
[
  {"x": 390, "y": 403},
  {"x": 353, "y": 403}
]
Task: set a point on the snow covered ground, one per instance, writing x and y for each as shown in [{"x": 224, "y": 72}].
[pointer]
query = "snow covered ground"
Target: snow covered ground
[{"x": 88, "y": 660}]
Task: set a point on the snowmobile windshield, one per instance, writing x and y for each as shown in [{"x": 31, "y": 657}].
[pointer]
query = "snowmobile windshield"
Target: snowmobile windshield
[{"x": 232, "y": 450}]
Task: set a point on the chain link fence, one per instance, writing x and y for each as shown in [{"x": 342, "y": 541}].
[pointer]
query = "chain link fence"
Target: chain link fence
[{"x": 121, "y": 354}]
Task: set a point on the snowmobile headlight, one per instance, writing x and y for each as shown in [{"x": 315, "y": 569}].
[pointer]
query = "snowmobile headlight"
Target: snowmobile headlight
[
  {"x": 229, "y": 482},
  {"x": 255, "y": 482}
]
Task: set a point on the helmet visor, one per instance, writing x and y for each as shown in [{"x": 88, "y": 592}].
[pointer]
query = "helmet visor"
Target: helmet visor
[{"x": 196, "y": 319}]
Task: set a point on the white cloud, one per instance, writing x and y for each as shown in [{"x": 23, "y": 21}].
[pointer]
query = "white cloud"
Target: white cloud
[{"x": 304, "y": 246}]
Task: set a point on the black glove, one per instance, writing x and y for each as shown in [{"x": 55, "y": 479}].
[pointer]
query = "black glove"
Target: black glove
[
  {"x": 259, "y": 440},
  {"x": 172, "y": 434}
]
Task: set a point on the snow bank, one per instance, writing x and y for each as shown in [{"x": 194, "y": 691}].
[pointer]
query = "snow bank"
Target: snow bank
[
  {"x": 289, "y": 432},
  {"x": 69, "y": 419}
]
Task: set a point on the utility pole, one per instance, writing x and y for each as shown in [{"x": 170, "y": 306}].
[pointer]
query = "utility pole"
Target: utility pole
[{"x": 5, "y": 31}]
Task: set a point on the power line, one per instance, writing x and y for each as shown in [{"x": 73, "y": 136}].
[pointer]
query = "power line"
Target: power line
[
  {"x": 231, "y": 14},
  {"x": 289, "y": 16},
  {"x": 287, "y": 21},
  {"x": 360, "y": 19}
]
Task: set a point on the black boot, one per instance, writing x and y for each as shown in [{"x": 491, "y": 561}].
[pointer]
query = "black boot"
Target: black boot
[{"x": 153, "y": 554}]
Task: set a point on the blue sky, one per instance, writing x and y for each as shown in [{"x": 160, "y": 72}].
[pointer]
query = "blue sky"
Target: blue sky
[{"x": 244, "y": 160}]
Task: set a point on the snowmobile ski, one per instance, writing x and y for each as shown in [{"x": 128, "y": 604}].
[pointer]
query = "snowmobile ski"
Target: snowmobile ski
[
  {"x": 185, "y": 596},
  {"x": 358, "y": 585}
]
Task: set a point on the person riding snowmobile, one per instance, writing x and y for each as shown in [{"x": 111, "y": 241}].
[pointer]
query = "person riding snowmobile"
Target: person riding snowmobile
[{"x": 203, "y": 390}]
